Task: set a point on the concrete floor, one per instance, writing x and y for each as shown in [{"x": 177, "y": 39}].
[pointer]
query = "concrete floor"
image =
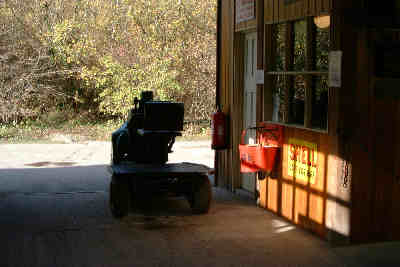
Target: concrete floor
[{"x": 54, "y": 212}]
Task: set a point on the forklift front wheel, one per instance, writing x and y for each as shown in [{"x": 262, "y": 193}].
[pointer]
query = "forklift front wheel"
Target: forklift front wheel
[
  {"x": 201, "y": 198},
  {"x": 120, "y": 197}
]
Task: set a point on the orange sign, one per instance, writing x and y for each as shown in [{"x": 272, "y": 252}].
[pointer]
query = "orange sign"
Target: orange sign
[{"x": 302, "y": 160}]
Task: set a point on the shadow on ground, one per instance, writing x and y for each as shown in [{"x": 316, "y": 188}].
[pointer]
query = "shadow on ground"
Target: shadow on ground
[{"x": 60, "y": 217}]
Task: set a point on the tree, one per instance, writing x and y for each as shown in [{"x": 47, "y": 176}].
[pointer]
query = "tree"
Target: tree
[{"x": 99, "y": 55}]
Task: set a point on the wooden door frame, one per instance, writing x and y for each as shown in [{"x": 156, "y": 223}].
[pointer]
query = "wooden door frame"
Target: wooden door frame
[{"x": 238, "y": 94}]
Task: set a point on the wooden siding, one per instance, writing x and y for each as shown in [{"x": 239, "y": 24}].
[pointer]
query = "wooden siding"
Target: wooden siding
[
  {"x": 365, "y": 210},
  {"x": 300, "y": 201},
  {"x": 303, "y": 204},
  {"x": 224, "y": 164},
  {"x": 324, "y": 206},
  {"x": 277, "y": 11},
  {"x": 237, "y": 112},
  {"x": 375, "y": 156}
]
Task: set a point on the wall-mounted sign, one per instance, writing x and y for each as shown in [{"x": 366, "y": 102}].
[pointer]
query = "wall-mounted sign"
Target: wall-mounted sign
[
  {"x": 245, "y": 10},
  {"x": 335, "y": 69},
  {"x": 302, "y": 160}
]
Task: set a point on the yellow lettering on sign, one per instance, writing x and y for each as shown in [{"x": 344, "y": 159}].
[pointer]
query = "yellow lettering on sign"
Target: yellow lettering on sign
[{"x": 302, "y": 160}]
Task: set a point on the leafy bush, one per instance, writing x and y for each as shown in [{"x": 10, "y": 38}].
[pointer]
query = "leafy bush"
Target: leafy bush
[{"x": 98, "y": 55}]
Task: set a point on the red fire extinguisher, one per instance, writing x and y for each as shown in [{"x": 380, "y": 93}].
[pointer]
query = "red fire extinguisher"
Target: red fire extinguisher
[{"x": 219, "y": 130}]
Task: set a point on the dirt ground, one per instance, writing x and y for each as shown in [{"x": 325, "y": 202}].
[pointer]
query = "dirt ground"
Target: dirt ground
[{"x": 54, "y": 212}]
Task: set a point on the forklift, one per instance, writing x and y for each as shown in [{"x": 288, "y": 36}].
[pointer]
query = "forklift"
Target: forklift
[{"x": 139, "y": 157}]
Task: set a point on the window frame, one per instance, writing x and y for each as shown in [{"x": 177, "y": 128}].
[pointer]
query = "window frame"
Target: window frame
[{"x": 309, "y": 73}]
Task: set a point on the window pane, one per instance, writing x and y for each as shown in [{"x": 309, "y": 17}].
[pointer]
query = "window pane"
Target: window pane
[
  {"x": 297, "y": 100},
  {"x": 322, "y": 48},
  {"x": 279, "y": 107},
  {"x": 300, "y": 35},
  {"x": 280, "y": 33},
  {"x": 290, "y": 90},
  {"x": 320, "y": 103}
]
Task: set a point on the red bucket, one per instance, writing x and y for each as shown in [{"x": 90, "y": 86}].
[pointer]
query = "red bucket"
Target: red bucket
[{"x": 258, "y": 157}]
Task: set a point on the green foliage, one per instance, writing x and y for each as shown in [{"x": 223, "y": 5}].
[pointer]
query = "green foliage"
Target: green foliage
[
  {"x": 98, "y": 55},
  {"x": 68, "y": 44},
  {"x": 115, "y": 84}
]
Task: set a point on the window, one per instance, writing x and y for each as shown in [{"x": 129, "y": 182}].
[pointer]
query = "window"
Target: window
[{"x": 299, "y": 76}]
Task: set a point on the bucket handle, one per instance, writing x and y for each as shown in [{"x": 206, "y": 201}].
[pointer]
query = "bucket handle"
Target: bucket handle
[{"x": 253, "y": 128}]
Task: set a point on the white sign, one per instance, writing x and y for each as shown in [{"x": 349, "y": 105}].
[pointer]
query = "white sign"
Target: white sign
[
  {"x": 245, "y": 10},
  {"x": 335, "y": 68},
  {"x": 260, "y": 76}
]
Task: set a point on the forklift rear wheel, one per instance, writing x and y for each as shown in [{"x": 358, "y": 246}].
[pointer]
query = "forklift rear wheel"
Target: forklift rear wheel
[
  {"x": 120, "y": 197},
  {"x": 201, "y": 198}
]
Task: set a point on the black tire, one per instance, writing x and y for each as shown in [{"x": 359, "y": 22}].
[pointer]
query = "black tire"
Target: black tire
[
  {"x": 120, "y": 197},
  {"x": 201, "y": 199}
]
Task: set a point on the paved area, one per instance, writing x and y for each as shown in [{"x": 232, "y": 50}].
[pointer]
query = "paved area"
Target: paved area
[
  {"x": 90, "y": 153},
  {"x": 54, "y": 212}
]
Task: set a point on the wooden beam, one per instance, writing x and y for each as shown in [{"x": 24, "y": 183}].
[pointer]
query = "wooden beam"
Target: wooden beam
[
  {"x": 289, "y": 59},
  {"x": 260, "y": 58},
  {"x": 237, "y": 111},
  {"x": 310, "y": 65},
  {"x": 218, "y": 81},
  {"x": 270, "y": 51}
]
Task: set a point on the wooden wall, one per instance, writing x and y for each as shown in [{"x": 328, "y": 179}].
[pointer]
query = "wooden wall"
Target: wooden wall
[
  {"x": 324, "y": 206},
  {"x": 313, "y": 206},
  {"x": 231, "y": 92},
  {"x": 226, "y": 70},
  {"x": 375, "y": 156},
  {"x": 279, "y": 11},
  {"x": 365, "y": 210},
  {"x": 307, "y": 203},
  {"x": 237, "y": 103}
]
